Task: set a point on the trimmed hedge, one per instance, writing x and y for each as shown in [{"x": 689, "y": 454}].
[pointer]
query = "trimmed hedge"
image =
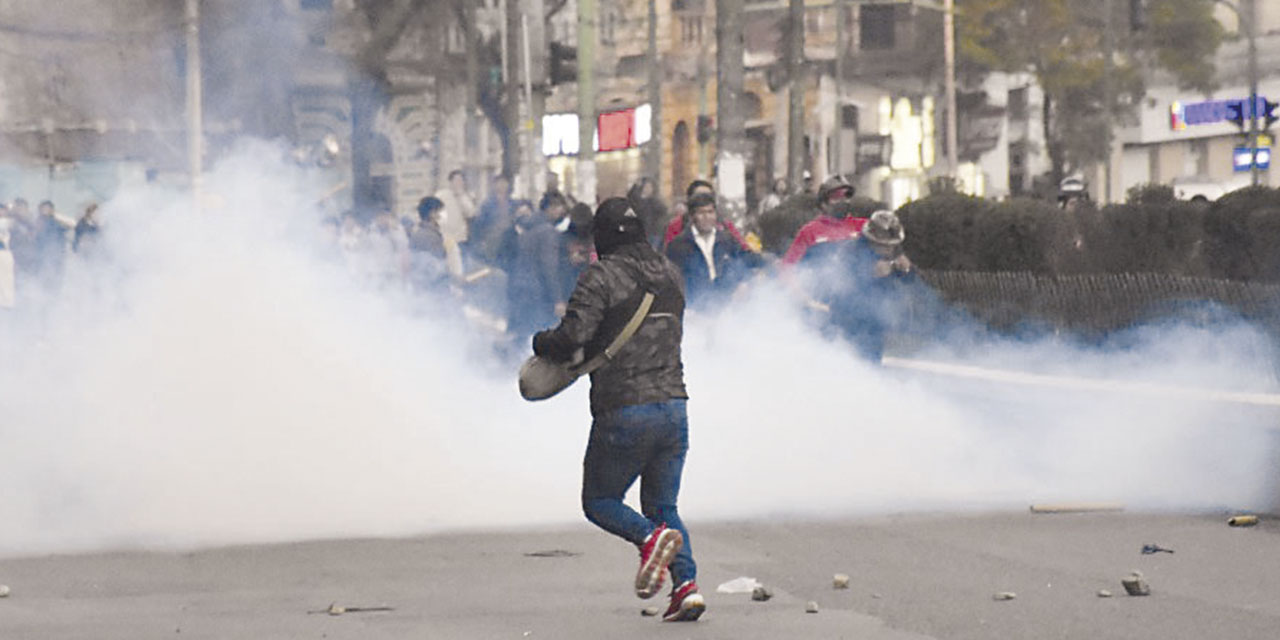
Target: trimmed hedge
[{"x": 1235, "y": 238}]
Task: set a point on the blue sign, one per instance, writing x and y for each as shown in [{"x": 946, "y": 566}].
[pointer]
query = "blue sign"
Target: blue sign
[
  {"x": 1212, "y": 111},
  {"x": 1244, "y": 158}
]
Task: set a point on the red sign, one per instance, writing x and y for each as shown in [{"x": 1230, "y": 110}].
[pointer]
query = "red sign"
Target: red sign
[{"x": 617, "y": 130}]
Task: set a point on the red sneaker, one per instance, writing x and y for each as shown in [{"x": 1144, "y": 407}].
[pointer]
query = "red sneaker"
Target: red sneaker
[
  {"x": 655, "y": 554},
  {"x": 687, "y": 604}
]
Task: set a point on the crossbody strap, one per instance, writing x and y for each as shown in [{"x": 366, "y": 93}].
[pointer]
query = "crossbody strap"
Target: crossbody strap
[{"x": 629, "y": 330}]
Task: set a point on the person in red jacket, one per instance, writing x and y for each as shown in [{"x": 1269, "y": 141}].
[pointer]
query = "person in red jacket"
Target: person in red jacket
[{"x": 830, "y": 225}]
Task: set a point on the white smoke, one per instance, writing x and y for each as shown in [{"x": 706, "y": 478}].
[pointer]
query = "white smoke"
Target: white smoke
[{"x": 215, "y": 382}]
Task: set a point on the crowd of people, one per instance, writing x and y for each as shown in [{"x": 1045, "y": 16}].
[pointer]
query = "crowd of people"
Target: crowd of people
[
  {"x": 517, "y": 260},
  {"x": 513, "y": 263},
  {"x": 35, "y": 247}
]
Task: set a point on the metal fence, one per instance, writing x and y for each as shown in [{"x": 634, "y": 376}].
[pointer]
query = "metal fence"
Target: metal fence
[{"x": 1103, "y": 302}]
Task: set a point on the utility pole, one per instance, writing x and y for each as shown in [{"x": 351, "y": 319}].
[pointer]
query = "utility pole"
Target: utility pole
[
  {"x": 653, "y": 155},
  {"x": 510, "y": 32},
  {"x": 472, "y": 133},
  {"x": 1251, "y": 6},
  {"x": 586, "y": 173},
  {"x": 731, "y": 164},
  {"x": 534, "y": 36},
  {"x": 795, "y": 94},
  {"x": 949, "y": 61},
  {"x": 1246, "y": 17},
  {"x": 1108, "y": 90},
  {"x": 195, "y": 114},
  {"x": 837, "y": 142}
]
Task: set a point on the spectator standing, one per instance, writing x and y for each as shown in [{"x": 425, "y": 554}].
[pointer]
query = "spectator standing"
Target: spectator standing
[
  {"x": 711, "y": 261},
  {"x": 427, "y": 252},
  {"x": 531, "y": 254},
  {"x": 388, "y": 247},
  {"x": 459, "y": 207},
  {"x": 50, "y": 248},
  {"x": 22, "y": 239},
  {"x": 493, "y": 220},
  {"x": 677, "y": 225},
  {"x": 643, "y": 197},
  {"x": 579, "y": 249},
  {"x": 834, "y": 222},
  {"x": 8, "y": 288},
  {"x": 87, "y": 231},
  {"x": 774, "y": 198}
]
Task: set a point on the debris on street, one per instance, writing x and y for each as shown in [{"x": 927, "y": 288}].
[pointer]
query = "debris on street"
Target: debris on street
[
  {"x": 811, "y": 607},
  {"x": 840, "y": 581},
  {"x": 761, "y": 594},
  {"x": 739, "y": 585},
  {"x": 649, "y": 612},
  {"x": 1004, "y": 595},
  {"x": 552, "y": 553},
  {"x": 1104, "y": 593},
  {"x": 1076, "y": 507},
  {"x": 4, "y": 591},
  {"x": 1242, "y": 521},
  {"x": 1136, "y": 585},
  {"x": 1148, "y": 549},
  {"x": 336, "y": 610}
]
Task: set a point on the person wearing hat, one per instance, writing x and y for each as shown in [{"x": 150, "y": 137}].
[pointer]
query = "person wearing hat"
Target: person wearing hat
[
  {"x": 868, "y": 284},
  {"x": 639, "y": 426},
  {"x": 835, "y": 221}
]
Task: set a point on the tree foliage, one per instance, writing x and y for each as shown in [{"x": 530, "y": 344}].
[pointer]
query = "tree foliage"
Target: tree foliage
[{"x": 1063, "y": 44}]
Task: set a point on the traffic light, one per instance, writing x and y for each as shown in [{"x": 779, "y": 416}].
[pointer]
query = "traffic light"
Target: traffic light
[
  {"x": 706, "y": 129},
  {"x": 1236, "y": 114},
  {"x": 564, "y": 63}
]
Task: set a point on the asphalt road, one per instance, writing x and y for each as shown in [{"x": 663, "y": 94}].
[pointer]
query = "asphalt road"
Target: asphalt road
[{"x": 912, "y": 576}]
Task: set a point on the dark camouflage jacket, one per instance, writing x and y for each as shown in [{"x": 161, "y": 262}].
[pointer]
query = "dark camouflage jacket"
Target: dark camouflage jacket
[{"x": 646, "y": 369}]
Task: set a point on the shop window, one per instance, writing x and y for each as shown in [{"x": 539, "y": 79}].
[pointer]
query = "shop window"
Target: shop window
[{"x": 876, "y": 26}]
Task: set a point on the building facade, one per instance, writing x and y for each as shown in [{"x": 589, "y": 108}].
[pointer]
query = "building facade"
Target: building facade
[{"x": 1184, "y": 139}]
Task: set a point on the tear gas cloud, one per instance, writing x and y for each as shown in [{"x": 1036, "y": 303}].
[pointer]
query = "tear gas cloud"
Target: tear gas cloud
[{"x": 215, "y": 380}]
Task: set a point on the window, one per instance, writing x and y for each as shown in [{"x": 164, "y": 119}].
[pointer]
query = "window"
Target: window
[
  {"x": 455, "y": 38},
  {"x": 1018, "y": 104},
  {"x": 609, "y": 26},
  {"x": 849, "y": 117},
  {"x": 876, "y": 26},
  {"x": 813, "y": 20},
  {"x": 691, "y": 29}
]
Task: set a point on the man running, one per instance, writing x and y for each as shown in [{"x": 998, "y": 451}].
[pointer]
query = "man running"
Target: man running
[{"x": 639, "y": 423}]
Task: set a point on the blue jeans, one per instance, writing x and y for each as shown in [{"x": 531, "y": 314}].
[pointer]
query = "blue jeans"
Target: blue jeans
[{"x": 645, "y": 441}]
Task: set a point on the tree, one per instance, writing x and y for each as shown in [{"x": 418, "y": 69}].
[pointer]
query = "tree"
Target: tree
[{"x": 1062, "y": 43}]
